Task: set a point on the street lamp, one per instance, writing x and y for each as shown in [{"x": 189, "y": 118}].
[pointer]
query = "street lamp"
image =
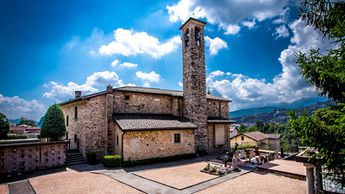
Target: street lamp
[{"x": 275, "y": 131}]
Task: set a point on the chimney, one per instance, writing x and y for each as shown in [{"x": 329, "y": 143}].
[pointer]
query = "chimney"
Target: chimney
[
  {"x": 109, "y": 89},
  {"x": 77, "y": 94}
]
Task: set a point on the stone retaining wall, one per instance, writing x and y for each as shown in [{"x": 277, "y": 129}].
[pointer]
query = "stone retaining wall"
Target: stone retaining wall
[{"x": 25, "y": 157}]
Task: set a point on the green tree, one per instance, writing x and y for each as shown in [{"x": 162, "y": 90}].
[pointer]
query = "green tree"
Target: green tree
[
  {"x": 4, "y": 126},
  {"x": 53, "y": 125},
  {"x": 326, "y": 71},
  {"x": 325, "y": 128},
  {"x": 259, "y": 125},
  {"x": 25, "y": 121}
]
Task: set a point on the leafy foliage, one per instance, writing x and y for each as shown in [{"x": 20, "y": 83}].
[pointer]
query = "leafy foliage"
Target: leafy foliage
[
  {"x": 53, "y": 125},
  {"x": 4, "y": 126},
  {"x": 25, "y": 121},
  {"x": 324, "y": 130},
  {"x": 326, "y": 72},
  {"x": 111, "y": 160},
  {"x": 91, "y": 157}
]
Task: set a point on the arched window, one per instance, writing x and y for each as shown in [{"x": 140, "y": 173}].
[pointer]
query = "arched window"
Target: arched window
[
  {"x": 198, "y": 36},
  {"x": 186, "y": 37}
]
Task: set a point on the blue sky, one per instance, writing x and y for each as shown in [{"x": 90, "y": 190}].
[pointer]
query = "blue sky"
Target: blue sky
[{"x": 51, "y": 48}]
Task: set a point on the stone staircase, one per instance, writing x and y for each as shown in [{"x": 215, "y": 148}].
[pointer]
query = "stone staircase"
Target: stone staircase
[{"x": 74, "y": 157}]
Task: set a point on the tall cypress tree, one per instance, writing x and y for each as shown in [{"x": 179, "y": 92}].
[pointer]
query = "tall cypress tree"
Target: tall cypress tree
[
  {"x": 53, "y": 125},
  {"x": 4, "y": 126}
]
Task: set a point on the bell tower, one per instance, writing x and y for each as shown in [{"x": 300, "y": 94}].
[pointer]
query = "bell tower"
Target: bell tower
[{"x": 194, "y": 80}]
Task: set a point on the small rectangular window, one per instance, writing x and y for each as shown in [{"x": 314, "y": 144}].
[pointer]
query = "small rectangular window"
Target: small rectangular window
[
  {"x": 177, "y": 138},
  {"x": 126, "y": 97},
  {"x": 75, "y": 138},
  {"x": 242, "y": 138},
  {"x": 67, "y": 121},
  {"x": 117, "y": 140},
  {"x": 76, "y": 112}
]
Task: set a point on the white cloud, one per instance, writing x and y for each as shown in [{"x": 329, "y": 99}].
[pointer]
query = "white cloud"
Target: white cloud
[
  {"x": 129, "y": 65},
  {"x": 16, "y": 107},
  {"x": 216, "y": 73},
  {"x": 124, "y": 64},
  {"x": 129, "y": 42},
  {"x": 115, "y": 63},
  {"x": 180, "y": 84},
  {"x": 232, "y": 29},
  {"x": 281, "y": 32},
  {"x": 249, "y": 24},
  {"x": 227, "y": 14},
  {"x": 215, "y": 44},
  {"x": 148, "y": 77},
  {"x": 94, "y": 83},
  {"x": 288, "y": 86}
]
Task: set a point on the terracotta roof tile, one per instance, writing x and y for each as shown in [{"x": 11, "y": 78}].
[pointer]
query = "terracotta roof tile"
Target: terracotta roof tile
[
  {"x": 129, "y": 122},
  {"x": 257, "y": 135}
]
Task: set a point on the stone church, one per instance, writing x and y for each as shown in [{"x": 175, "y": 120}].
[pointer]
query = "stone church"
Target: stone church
[{"x": 142, "y": 123}]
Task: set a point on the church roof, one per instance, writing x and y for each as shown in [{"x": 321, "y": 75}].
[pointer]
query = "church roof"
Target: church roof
[
  {"x": 138, "y": 122},
  {"x": 177, "y": 93},
  {"x": 159, "y": 91}
]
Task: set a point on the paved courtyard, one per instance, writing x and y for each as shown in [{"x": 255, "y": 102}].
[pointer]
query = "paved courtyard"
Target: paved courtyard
[
  {"x": 173, "y": 177},
  {"x": 180, "y": 176},
  {"x": 3, "y": 188},
  {"x": 78, "y": 182},
  {"x": 259, "y": 183},
  {"x": 285, "y": 166}
]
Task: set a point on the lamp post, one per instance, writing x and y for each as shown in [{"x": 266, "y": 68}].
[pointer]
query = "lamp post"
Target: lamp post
[{"x": 275, "y": 132}]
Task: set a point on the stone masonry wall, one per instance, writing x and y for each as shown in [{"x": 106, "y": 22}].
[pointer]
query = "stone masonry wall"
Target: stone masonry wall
[
  {"x": 194, "y": 81},
  {"x": 142, "y": 103},
  {"x": 140, "y": 145},
  {"x": 26, "y": 157},
  {"x": 217, "y": 108},
  {"x": 118, "y": 140},
  {"x": 91, "y": 126}
]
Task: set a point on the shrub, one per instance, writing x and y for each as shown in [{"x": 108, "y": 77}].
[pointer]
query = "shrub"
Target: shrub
[
  {"x": 14, "y": 136},
  {"x": 53, "y": 125},
  {"x": 91, "y": 157},
  {"x": 4, "y": 126},
  {"x": 111, "y": 160},
  {"x": 156, "y": 160},
  {"x": 246, "y": 146}
]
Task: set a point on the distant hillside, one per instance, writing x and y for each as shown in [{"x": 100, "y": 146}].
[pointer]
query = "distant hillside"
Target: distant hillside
[
  {"x": 13, "y": 121},
  {"x": 40, "y": 121},
  {"x": 279, "y": 115},
  {"x": 304, "y": 102}
]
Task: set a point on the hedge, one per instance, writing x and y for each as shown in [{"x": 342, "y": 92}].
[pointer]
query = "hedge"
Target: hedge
[
  {"x": 91, "y": 158},
  {"x": 156, "y": 160},
  {"x": 111, "y": 160}
]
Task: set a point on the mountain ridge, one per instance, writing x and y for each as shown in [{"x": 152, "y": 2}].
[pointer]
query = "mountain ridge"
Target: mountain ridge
[{"x": 304, "y": 102}]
